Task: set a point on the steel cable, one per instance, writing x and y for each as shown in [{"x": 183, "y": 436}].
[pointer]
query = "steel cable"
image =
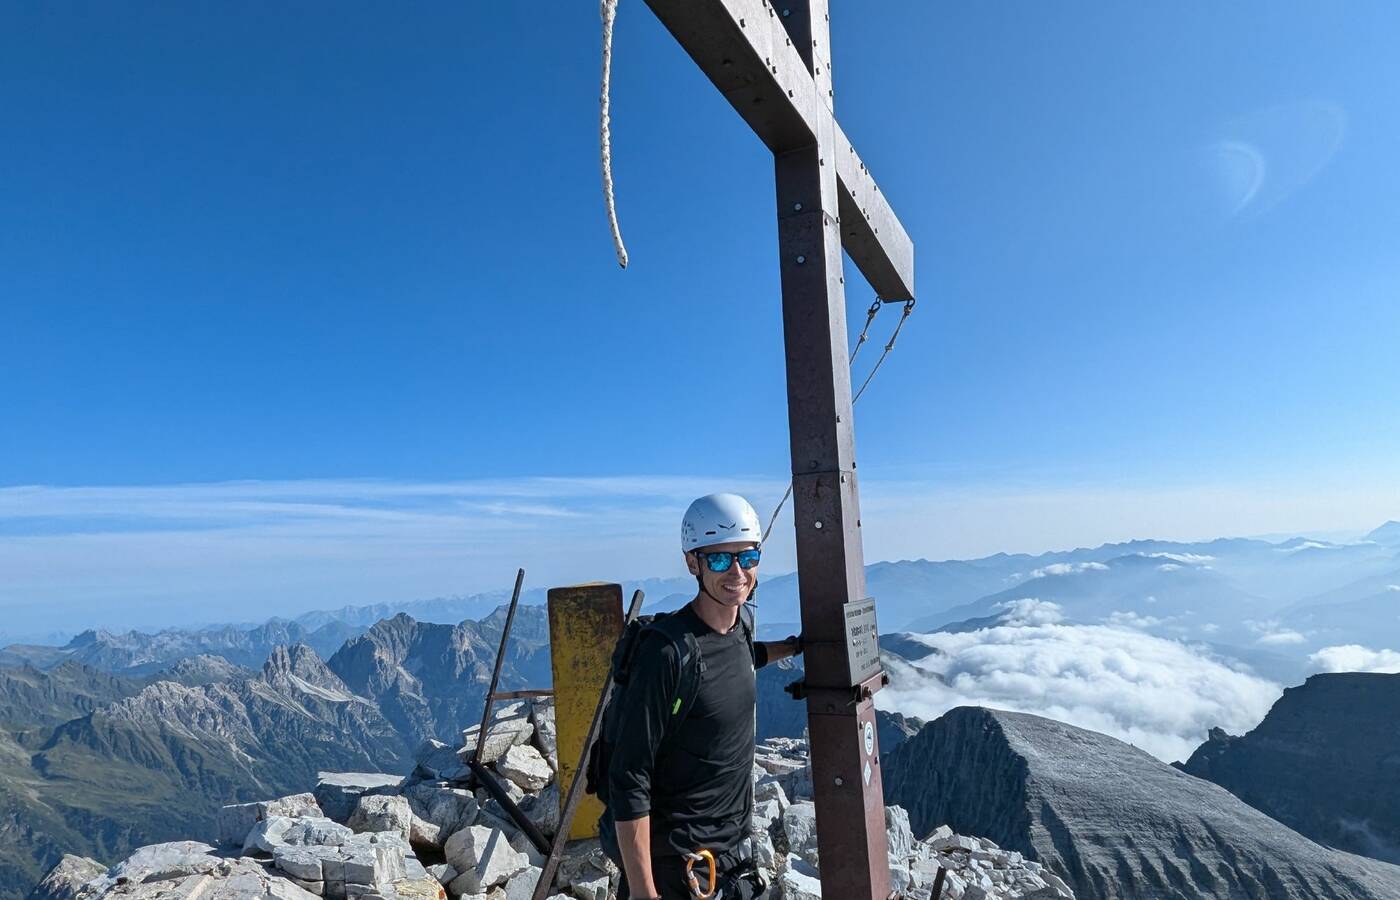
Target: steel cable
[{"x": 869, "y": 317}]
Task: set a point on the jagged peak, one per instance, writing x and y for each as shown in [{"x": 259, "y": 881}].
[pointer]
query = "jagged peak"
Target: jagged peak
[{"x": 294, "y": 659}]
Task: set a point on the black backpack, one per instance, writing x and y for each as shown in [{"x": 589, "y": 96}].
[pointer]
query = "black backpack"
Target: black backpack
[{"x": 672, "y": 630}]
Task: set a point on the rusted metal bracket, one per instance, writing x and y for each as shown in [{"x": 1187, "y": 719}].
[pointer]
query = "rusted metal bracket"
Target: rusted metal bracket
[
  {"x": 483, "y": 774},
  {"x": 522, "y": 695},
  {"x": 496, "y": 672},
  {"x": 839, "y": 697}
]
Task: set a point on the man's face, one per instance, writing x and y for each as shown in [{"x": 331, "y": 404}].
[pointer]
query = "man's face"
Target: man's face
[{"x": 731, "y": 587}]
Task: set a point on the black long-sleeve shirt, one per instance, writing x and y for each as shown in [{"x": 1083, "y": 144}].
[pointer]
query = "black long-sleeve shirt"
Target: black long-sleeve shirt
[{"x": 696, "y": 783}]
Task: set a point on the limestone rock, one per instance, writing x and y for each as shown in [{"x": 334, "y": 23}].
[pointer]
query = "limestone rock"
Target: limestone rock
[
  {"x": 521, "y": 843},
  {"x": 377, "y": 813},
  {"x": 798, "y": 882},
  {"x": 266, "y": 835},
  {"x": 510, "y": 726},
  {"x": 420, "y": 888},
  {"x": 299, "y": 862},
  {"x": 66, "y": 880},
  {"x": 338, "y": 793},
  {"x": 435, "y": 761},
  {"x": 483, "y": 857},
  {"x": 546, "y": 734},
  {"x": 237, "y": 819},
  {"x": 543, "y": 809},
  {"x": 439, "y": 806},
  {"x": 524, "y": 766},
  {"x": 293, "y": 806},
  {"x": 800, "y": 826},
  {"x": 236, "y": 879},
  {"x": 584, "y": 870},
  {"x": 521, "y": 885}
]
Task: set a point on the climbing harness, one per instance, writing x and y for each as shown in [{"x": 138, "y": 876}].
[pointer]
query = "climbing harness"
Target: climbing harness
[
  {"x": 690, "y": 860},
  {"x": 609, "y": 13},
  {"x": 864, "y": 335}
]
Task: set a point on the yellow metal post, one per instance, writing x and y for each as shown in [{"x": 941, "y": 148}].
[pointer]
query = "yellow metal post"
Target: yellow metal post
[{"x": 585, "y": 622}]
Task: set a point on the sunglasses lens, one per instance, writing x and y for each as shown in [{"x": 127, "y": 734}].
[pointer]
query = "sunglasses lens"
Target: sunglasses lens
[
  {"x": 719, "y": 562},
  {"x": 748, "y": 558}
]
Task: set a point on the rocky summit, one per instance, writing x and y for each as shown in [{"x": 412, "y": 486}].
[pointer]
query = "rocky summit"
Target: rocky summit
[
  {"x": 1324, "y": 761},
  {"x": 1112, "y": 821},
  {"x": 437, "y": 834}
]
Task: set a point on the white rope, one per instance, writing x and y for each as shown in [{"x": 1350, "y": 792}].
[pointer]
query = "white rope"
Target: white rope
[{"x": 609, "y": 12}]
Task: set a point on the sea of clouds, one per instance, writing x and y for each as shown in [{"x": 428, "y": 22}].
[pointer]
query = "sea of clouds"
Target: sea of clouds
[{"x": 1158, "y": 694}]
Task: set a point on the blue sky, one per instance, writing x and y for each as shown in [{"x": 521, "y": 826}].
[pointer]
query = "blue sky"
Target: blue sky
[{"x": 357, "y": 255}]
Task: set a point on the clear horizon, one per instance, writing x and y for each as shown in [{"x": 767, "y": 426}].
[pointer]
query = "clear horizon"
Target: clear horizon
[{"x": 172, "y": 555}]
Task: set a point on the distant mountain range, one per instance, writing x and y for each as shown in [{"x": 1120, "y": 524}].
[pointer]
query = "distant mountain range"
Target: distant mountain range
[
  {"x": 97, "y": 763},
  {"x": 115, "y": 739},
  {"x": 134, "y": 653},
  {"x": 1259, "y": 601}
]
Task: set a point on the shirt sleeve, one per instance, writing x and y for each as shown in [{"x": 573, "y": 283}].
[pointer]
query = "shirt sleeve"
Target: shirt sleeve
[
  {"x": 646, "y": 707},
  {"x": 760, "y": 654}
]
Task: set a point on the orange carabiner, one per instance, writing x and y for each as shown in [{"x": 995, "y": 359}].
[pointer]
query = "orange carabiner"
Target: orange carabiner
[{"x": 690, "y": 860}]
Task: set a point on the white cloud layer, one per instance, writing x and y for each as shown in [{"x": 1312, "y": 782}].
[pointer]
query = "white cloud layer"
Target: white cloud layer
[
  {"x": 1356, "y": 658},
  {"x": 1158, "y": 694}
]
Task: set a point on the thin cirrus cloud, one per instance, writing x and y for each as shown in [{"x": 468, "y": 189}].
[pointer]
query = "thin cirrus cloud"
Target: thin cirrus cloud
[
  {"x": 1261, "y": 159},
  {"x": 158, "y": 555}
]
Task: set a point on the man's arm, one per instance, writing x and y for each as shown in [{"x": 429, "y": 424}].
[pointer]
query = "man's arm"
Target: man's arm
[
  {"x": 634, "y": 840},
  {"x": 771, "y": 651},
  {"x": 646, "y": 707}
]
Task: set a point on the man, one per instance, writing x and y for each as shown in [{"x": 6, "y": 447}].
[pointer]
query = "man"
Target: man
[{"x": 678, "y": 789}]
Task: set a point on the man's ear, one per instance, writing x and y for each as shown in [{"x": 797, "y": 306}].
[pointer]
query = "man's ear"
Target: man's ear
[{"x": 692, "y": 563}]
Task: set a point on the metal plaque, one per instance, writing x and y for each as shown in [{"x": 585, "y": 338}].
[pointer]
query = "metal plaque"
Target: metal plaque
[
  {"x": 869, "y": 738},
  {"x": 862, "y": 639}
]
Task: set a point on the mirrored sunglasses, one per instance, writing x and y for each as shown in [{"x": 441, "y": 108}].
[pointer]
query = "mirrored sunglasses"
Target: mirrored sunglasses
[{"x": 721, "y": 560}]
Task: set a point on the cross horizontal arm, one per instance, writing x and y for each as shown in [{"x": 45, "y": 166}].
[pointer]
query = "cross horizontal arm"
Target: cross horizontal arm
[{"x": 743, "y": 48}]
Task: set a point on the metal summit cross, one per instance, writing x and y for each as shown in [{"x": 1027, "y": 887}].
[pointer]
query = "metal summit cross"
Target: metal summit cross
[{"x": 772, "y": 60}]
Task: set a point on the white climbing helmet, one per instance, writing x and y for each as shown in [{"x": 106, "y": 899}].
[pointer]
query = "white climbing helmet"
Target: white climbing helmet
[{"x": 719, "y": 519}]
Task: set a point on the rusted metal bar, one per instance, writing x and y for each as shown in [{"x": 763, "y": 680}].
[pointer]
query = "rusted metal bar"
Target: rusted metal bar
[
  {"x": 517, "y": 815},
  {"x": 522, "y": 695},
  {"x": 571, "y": 799},
  {"x": 938, "y": 880},
  {"x": 496, "y": 672}
]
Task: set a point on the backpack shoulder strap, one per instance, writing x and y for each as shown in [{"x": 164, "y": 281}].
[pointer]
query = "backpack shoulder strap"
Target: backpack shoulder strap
[
  {"x": 746, "y": 621},
  {"x": 692, "y": 664}
]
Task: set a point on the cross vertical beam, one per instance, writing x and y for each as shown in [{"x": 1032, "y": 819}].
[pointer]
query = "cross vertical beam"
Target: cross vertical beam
[
  {"x": 771, "y": 61},
  {"x": 830, "y": 564}
]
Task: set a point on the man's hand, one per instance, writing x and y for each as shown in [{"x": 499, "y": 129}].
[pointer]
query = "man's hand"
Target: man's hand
[{"x": 789, "y": 646}]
